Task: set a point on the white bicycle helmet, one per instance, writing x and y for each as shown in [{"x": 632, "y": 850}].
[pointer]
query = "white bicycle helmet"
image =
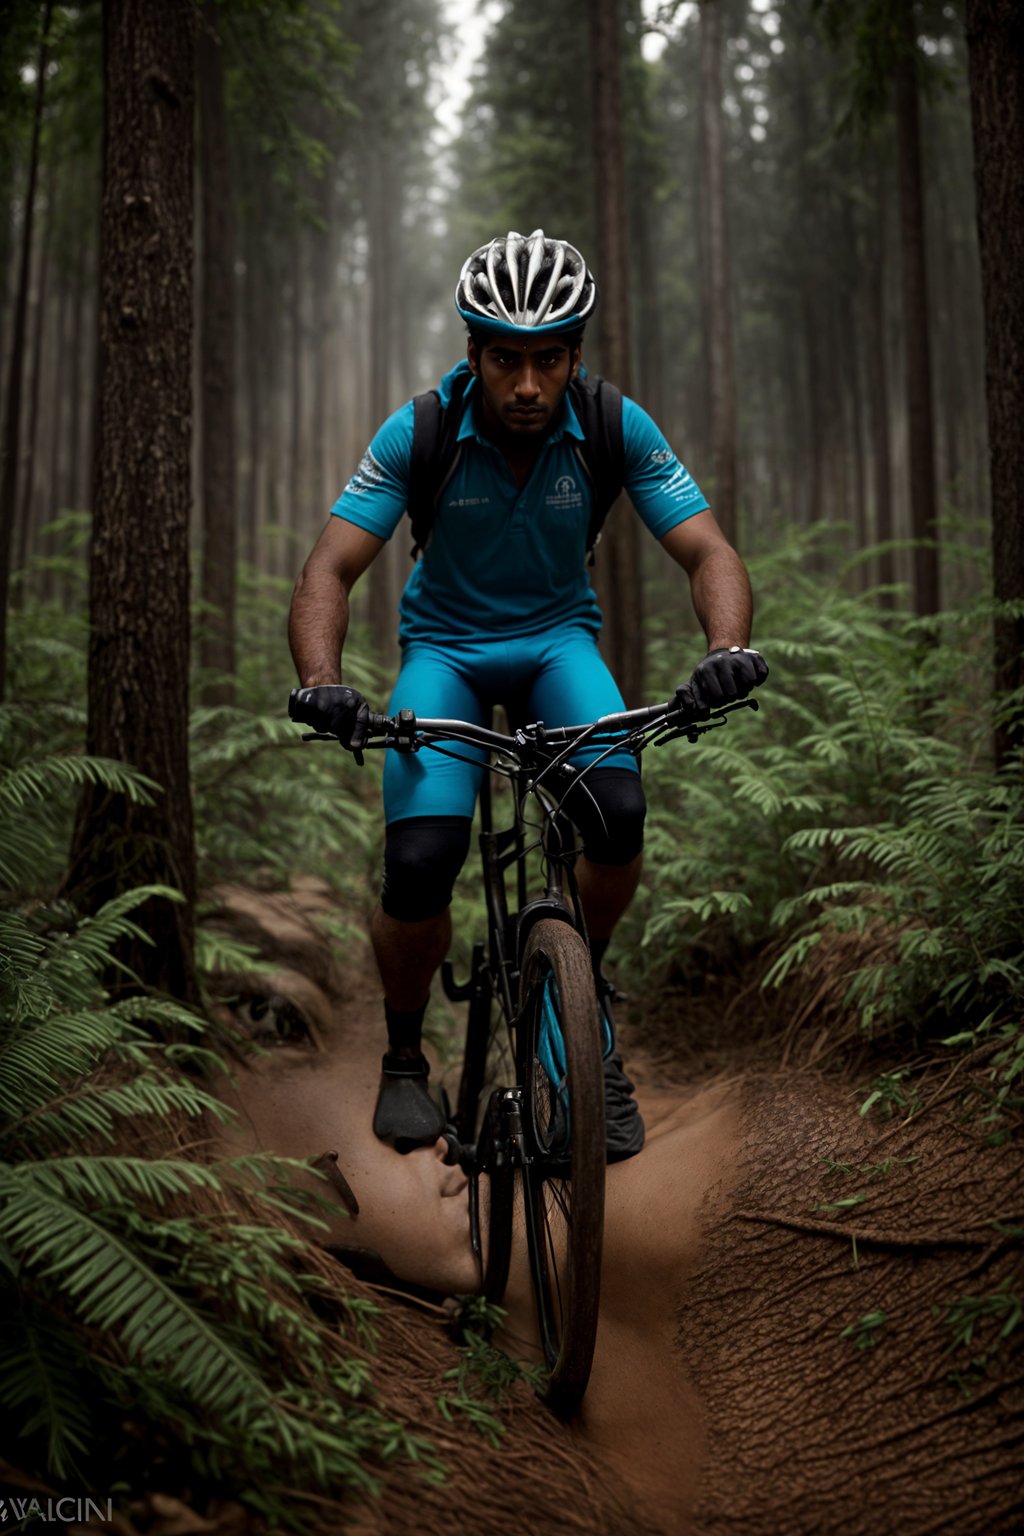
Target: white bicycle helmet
[{"x": 526, "y": 283}]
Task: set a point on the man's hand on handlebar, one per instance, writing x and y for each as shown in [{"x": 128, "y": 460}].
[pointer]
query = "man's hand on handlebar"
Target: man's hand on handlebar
[
  {"x": 722, "y": 677},
  {"x": 332, "y": 710}
]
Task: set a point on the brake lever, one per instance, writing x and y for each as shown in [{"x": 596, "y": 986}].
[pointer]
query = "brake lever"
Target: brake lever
[{"x": 319, "y": 736}]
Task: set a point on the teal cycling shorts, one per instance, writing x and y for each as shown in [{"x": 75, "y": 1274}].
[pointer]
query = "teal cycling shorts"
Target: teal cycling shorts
[{"x": 558, "y": 677}]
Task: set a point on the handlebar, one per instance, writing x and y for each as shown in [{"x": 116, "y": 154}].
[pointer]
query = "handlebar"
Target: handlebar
[{"x": 631, "y": 728}]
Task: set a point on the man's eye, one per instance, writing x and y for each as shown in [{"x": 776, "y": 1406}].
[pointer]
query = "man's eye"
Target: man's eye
[
  {"x": 503, "y": 359},
  {"x": 550, "y": 359},
  {"x": 269, "y": 1019}
]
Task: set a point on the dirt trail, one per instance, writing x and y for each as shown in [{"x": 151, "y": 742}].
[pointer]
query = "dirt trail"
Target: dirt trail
[{"x": 815, "y": 1336}]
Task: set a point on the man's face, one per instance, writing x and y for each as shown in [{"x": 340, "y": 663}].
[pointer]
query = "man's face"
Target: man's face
[{"x": 522, "y": 383}]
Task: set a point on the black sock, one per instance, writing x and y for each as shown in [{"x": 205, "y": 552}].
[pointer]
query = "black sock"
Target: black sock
[
  {"x": 403, "y": 1028},
  {"x": 597, "y": 949}
]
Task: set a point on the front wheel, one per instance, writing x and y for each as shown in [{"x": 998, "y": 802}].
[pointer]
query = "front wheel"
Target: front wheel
[{"x": 559, "y": 1061}]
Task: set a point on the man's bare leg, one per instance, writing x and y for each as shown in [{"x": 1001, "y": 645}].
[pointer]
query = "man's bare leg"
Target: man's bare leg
[
  {"x": 606, "y": 890},
  {"x": 408, "y": 955}
]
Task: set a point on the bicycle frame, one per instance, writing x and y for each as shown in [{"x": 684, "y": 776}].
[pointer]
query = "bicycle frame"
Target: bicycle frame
[
  {"x": 500, "y": 851},
  {"x": 522, "y": 961}
]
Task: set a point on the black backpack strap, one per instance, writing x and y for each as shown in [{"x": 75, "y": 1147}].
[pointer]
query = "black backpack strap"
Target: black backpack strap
[
  {"x": 602, "y": 452},
  {"x": 435, "y": 453}
]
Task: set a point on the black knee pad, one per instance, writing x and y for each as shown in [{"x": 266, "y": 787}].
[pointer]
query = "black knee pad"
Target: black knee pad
[
  {"x": 422, "y": 857},
  {"x": 608, "y": 806}
]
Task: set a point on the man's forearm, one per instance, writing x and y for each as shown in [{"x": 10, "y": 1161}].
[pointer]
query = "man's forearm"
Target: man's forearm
[
  {"x": 317, "y": 626},
  {"x": 722, "y": 600}
]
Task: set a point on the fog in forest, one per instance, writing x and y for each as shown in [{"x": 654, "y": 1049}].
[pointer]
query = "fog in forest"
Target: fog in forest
[{"x": 769, "y": 229}]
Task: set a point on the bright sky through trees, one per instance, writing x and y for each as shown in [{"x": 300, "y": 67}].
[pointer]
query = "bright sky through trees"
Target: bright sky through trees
[{"x": 470, "y": 20}]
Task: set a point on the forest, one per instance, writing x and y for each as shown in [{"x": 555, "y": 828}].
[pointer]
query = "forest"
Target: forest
[{"x": 231, "y": 233}]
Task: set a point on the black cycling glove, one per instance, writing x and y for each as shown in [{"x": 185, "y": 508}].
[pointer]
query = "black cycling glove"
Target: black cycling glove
[
  {"x": 332, "y": 710},
  {"x": 724, "y": 676}
]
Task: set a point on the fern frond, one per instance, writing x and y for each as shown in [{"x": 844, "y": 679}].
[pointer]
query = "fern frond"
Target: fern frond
[
  {"x": 37, "y": 1056},
  {"x": 91, "y": 1111},
  {"x": 42, "y": 1383},
  {"x": 37, "y": 779},
  {"x": 112, "y": 1287}
]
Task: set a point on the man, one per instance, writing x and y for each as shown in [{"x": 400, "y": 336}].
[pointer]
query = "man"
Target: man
[{"x": 500, "y": 606}]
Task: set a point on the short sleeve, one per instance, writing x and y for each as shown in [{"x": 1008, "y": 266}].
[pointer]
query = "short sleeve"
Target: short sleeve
[
  {"x": 377, "y": 494},
  {"x": 659, "y": 486}
]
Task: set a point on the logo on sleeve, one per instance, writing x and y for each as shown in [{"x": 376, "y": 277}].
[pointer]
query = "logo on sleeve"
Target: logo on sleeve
[
  {"x": 367, "y": 477},
  {"x": 662, "y": 456}
]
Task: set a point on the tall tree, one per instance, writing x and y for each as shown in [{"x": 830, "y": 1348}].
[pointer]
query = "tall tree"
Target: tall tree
[
  {"x": 618, "y": 559},
  {"x": 916, "y": 323},
  {"x": 217, "y": 368},
  {"x": 995, "y": 40},
  {"x": 887, "y": 69},
  {"x": 139, "y": 618},
  {"x": 12, "y": 420},
  {"x": 716, "y": 271}
]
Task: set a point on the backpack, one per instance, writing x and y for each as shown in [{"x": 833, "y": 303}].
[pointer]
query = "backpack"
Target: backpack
[{"x": 436, "y": 451}]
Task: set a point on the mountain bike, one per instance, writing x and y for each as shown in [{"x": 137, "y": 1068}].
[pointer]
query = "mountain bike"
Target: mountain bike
[{"x": 529, "y": 1112}]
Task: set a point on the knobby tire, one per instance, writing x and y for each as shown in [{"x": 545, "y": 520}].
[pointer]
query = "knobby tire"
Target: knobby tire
[{"x": 564, "y": 1172}]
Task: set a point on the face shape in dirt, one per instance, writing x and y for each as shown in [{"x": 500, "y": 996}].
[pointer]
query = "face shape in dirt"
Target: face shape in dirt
[{"x": 312, "y": 1089}]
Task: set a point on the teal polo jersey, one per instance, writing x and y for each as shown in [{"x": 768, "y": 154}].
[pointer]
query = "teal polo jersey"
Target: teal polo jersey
[{"x": 503, "y": 560}]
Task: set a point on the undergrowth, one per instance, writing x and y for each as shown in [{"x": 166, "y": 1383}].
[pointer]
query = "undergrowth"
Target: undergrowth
[{"x": 860, "y": 800}]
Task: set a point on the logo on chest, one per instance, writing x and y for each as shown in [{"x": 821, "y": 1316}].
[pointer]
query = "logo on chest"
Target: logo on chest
[{"x": 565, "y": 495}]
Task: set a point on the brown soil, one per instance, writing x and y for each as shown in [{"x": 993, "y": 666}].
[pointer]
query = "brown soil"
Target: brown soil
[
  {"x": 817, "y": 1337},
  {"x": 821, "y": 1336}
]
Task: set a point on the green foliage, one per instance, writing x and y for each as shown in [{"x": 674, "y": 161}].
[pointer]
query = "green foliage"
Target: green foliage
[
  {"x": 135, "y": 1281},
  {"x": 38, "y": 789},
  {"x": 858, "y": 806},
  {"x": 173, "y": 1288},
  {"x": 991, "y": 1318},
  {"x": 289, "y": 71},
  {"x": 484, "y": 1375},
  {"x": 871, "y": 35},
  {"x": 863, "y": 1334}
]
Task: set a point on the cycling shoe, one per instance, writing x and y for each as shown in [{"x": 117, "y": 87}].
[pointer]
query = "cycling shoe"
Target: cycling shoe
[
  {"x": 406, "y": 1115},
  {"x": 623, "y": 1122}
]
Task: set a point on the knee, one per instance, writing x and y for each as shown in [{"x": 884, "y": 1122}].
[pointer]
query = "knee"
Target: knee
[
  {"x": 422, "y": 858},
  {"x": 611, "y": 816}
]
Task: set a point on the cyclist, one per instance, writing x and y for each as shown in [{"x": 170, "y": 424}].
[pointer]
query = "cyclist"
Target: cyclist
[{"x": 500, "y": 609}]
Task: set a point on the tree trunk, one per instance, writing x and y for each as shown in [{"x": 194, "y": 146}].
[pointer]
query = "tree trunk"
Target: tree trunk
[
  {"x": 995, "y": 41},
  {"x": 30, "y": 447},
  {"x": 878, "y": 398},
  {"x": 74, "y": 372},
  {"x": 12, "y": 415},
  {"x": 650, "y": 306},
  {"x": 58, "y": 372},
  {"x": 920, "y": 418},
  {"x": 382, "y": 231},
  {"x": 217, "y": 404},
  {"x": 139, "y": 617},
  {"x": 718, "y": 298},
  {"x": 618, "y": 556},
  {"x": 294, "y": 490}
]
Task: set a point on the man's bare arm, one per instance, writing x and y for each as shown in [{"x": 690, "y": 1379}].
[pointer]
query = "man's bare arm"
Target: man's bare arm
[
  {"x": 719, "y": 584},
  {"x": 318, "y": 621}
]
